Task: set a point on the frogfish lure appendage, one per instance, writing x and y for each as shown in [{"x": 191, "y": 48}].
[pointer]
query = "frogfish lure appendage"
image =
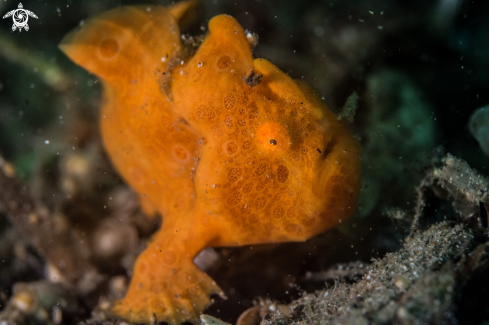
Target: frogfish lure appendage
[{"x": 227, "y": 148}]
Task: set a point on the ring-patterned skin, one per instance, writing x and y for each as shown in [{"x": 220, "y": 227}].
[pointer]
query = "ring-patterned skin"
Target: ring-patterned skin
[{"x": 227, "y": 148}]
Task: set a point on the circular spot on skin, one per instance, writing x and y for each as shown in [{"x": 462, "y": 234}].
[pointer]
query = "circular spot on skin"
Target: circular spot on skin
[
  {"x": 229, "y": 101},
  {"x": 231, "y": 148},
  {"x": 166, "y": 123},
  {"x": 169, "y": 257},
  {"x": 199, "y": 113},
  {"x": 278, "y": 212},
  {"x": 296, "y": 156},
  {"x": 260, "y": 202},
  {"x": 262, "y": 185},
  {"x": 234, "y": 174},
  {"x": 247, "y": 187},
  {"x": 253, "y": 219},
  {"x": 217, "y": 131},
  {"x": 251, "y": 160},
  {"x": 282, "y": 173},
  {"x": 235, "y": 198},
  {"x": 204, "y": 113},
  {"x": 223, "y": 62},
  {"x": 291, "y": 213},
  {"x": 253, "y": 115},
  {"x": 273, "y": 141},
  {"x": 335, "y": 179},
  {"x": 247, "y": 145},
  {"x": 292, "y": 228},
  {"x": 180, "y": 153},
  {"x": 108, "y": 48},
  {"x": 260, "y": 169},
  {"x": 228, "y": 121}
]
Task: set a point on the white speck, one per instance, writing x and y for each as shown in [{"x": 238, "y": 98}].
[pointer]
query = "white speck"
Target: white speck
[
  {"x": 163, "y": 59},
  {"x": 46, "y": 141},
  {"x": 380, "y": 27},
  {"x": 182, "y": 62},
  {"x": 213, "y": 185},
  {"x": 371, "y": 12},
  {"x": 361, "y": 20},
  {"x": 181, "y": 72},
  {"x": 199, "y": 65},
  {"x": 148, "y": 9}
]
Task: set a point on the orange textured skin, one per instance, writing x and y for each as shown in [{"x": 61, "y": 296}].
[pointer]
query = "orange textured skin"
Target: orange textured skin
[{"x": 224, "y": 160}]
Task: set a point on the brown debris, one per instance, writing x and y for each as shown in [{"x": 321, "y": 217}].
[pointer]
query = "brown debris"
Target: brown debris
[
  {"x": 417, "y": 283},
  {"x": 39, "y": 300},
  {"x": 253, "y": 79},
  {"x": 37, "y": 225},
  {"x": 465, "y": 185},
  {"x": 468, "y": 190},
  {"x": 350, "y": 272},
  {"x": 430, "y": 280}
]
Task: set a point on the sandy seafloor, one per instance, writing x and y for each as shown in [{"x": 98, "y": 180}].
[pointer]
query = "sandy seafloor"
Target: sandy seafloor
[{"x": 415, "y": 251}]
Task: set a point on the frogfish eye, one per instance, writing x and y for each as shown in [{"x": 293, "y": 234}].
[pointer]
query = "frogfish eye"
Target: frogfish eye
[{"x": 273, "y": 136}]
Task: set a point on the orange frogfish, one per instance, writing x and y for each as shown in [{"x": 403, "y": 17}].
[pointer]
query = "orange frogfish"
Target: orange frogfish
[{"x": 227, "y": 148}]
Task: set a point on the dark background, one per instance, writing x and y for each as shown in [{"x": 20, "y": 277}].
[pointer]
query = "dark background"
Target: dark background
[{"x": 419, "y": 67}]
